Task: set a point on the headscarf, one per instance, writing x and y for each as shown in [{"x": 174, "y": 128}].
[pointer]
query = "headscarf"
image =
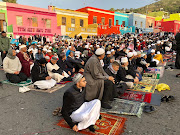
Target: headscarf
[
  {"x": 111, "y": 69},
  {"x": 10, "y": 54}
]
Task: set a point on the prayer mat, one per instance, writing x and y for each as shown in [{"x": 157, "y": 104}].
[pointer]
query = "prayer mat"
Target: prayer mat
[
  {"x": 55, "y": 88},
  {"x": 108, "y": 125},
  {"x": 149, "y": 81},
  {"x": 151, "y": 75},
  {"x": 21, "y": 84},
  {"x": 64, "y": 82},
  {"x": 126, "y": 107},
  {"x": 153, "y": 99},
  {"x": 150, "y": 88}
]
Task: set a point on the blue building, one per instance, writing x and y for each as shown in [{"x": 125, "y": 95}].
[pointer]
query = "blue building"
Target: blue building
[{"x": 137, "y": 20}]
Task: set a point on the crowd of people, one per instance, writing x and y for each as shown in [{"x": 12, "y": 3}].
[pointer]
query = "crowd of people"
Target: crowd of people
[{"x": 101, "y": 68}]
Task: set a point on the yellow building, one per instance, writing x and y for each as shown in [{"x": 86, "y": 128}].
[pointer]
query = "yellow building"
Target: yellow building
[
  {"x": 173, "y": 17},
  {"x": 74, "y": 23}
]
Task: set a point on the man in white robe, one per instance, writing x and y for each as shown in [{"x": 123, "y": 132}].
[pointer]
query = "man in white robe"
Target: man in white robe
[
  {"x": 55, "y": 72},
  {"x": 77, "y": 113}
]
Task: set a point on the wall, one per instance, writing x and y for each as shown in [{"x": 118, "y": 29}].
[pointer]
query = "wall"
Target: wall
[
  {"x": 150, "y": 20},
  {"x": 28, "y": 12},
  {"x": 173, "y": 17},
  {"x": 139, "y": 18},
  {"x": 121, "y": 17},
  {"x": 170, "y": 26}
]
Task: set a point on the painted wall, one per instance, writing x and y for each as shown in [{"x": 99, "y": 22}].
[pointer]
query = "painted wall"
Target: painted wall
[
  {"x": 170, "y": 26},
  {"x": 121, "y": 17},
  {"x": 150, "y": 21},
  {"x": 173, "y": 17},
  {"x": 139, "y": 18},
  {"x": 27, "y": 12}
]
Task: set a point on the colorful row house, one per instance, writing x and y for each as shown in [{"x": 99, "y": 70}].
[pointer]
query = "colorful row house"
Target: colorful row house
[
  {"x": 27, "y": 20},
  {"x": 101, "y": 19},
  {"x": 74, "y": 23}
]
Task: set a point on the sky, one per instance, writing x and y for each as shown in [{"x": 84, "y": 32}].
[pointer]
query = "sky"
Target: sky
[{"x": 76, "y": 4}]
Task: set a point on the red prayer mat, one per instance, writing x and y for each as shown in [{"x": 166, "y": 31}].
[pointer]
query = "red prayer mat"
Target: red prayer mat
[
  {"x": 108, "y": 125},
  {"x": 137, "y": 96},
  {"x": 64, "y": 82}
]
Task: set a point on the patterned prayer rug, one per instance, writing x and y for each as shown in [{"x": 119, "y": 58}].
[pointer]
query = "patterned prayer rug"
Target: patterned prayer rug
[
  {"x": 21, "y": 84},
  {"x": 137, "y": 96},
  {"x": 126, "y": 107},
  {"x": 153, "y": 99},
  {"x": 150, "y": 88},
  {"x": 55, "y": 88},
  {"x": 108, "y": 125}
]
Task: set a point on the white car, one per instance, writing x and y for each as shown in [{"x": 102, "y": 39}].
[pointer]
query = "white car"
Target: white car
[{"x": 66, "y": 38}]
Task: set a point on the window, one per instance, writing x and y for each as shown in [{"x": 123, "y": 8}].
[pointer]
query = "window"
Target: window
[
  {"x": 48, "y": 23},
  {"x": 63, "y": 20},
  {"x": 103, "y": 21},
  {"x": 19, "y": 20},
  {"x": 123, "y": 23},
  {"x": 117, "y": 22},
  {"x": 72, "y": 22},
  {"x": 135, "y": 23},
  {"x": 141, "y": 24},
  {"x": 110, "y": 22},
  {"x": 34, "y": 22},
  {"x": 94, "y": 19},
  {"x": 81, "y": 23}
]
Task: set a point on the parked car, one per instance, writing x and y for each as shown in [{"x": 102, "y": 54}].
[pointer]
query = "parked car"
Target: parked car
[
  {"x": 64, "y": 37},
  {"x": 16, "y": 41}
]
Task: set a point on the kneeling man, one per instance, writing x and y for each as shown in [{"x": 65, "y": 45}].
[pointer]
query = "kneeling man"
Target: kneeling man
[
  {"x": 77, "y": 113},
  {"x": 40, "y": 76}
]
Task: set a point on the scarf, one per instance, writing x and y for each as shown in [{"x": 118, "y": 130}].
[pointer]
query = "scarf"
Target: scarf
[
  {"x": 26, "y": 56},
  {"x": 10, "y": 54},
  {"x": 112, "y": 70}
]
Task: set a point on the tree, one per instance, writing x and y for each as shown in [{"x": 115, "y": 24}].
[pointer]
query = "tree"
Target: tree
[
  {"x": 10, "y": 1},
  {"x": 112, "y": 9}
]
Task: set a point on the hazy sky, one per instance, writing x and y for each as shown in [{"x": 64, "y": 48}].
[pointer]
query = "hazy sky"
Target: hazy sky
[{"x": 76, "y": 4}]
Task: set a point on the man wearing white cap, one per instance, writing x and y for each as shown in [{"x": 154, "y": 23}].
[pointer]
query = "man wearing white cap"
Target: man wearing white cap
[
  {"x": 55, "y": 72},
  {"x": 124, "y": 76},
  {"x": 78, "y": 113},
  {"x": 49, "y": 53},
  {"x": 107, "y": 59},
  {"x": 25, "y": 60},
  {"x": 95, "y": 76},
  {"x": 150, "y": 58}
]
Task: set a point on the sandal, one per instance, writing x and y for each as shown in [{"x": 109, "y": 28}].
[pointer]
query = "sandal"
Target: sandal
[
  {"x": 164, "y": 99},
  {"x": 148, "y": 109},
  {"x": 170, "y": 98},
  {"x": 57, "y": 111}
]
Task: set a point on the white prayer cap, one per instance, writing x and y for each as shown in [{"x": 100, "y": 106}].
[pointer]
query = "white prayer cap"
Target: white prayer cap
[
  {"x": 124, "y": 59},
  {"x": 158, "y": 42},
  {"x": 91, "y": 45},
  {"x": 29, "y": 50},
  {"x": 153, "y": 44},
  {"x": 138, "y": 52},
  {"x": 167, "y": 48},
  {"x": 112, "y": 50},
  {"x": 17, "y": 51},
  {"x": 77, "y": 78},
  {"x": 152, "y": 51},
  {"x": 143, "y": 54},
  {"x": 47, "y": 57},
  {"x": 44, "y": 49},
  {"x": 158, "y": 52},
  {"x": 99, "y": 51},
  {"x": 22, "y": 46},
  {"x": 108, "y": 52},
  {"x": 48, "y": 50},
  {"x": 135, "y": 53},
  {"x": 149, "y": 46},
  {"x": 69, "y": 47},
  {"x": 130, "y": 54},
  {"x": 97, "y": 45},
  {"x": 86, "y": 46},
  {"x": 141, "y": 51},
  {"x": 19, "y": 43},
  {"x": 50, "y": 47}
]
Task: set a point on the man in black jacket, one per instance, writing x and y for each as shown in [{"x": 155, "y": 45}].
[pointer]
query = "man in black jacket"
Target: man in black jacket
[
  {"x": 77, "y": 113},
  {"x": 40, "y": 76},
  {"x": 124, "y": 74},
  {"x": 177, "y": 37}
]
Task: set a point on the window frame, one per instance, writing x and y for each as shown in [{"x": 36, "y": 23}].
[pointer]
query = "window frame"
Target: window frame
[
  {"x": 64, "y": 24},
  {"x": 33, "y": 22},
  {"x": 93, "y": 19},
  {"x": 17, "y": 22},
  {"x": 82, "y": 23}
]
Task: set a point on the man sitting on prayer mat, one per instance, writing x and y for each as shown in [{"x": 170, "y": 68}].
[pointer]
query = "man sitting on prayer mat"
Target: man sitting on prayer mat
[
  {"x": 77, "y": 113},
  {"x": 26, "y": 62},
  {"x": 12, "y": 67},
  {"x": 95, "y": 76},
  {"x": 40, "y": 76},
  {"x": 123, "y": 74},
  {"x": 56, "y": 72}
]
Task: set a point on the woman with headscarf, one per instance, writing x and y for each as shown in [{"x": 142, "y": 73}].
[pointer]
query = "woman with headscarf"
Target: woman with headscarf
[{"x": 12, "y": 67}]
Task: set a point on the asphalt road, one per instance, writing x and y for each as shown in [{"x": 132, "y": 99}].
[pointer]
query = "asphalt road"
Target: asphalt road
[{"x": 31, "y": 113}]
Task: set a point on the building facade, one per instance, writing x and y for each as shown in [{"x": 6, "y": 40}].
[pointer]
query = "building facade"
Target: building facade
[
  {"x": 27, "y": 20},
  {"x": 102, "y": 19},
  {"x": 74, "y": 23}
]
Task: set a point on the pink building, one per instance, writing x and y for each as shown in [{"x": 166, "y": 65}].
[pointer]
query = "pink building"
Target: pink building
[{"x": 27, "y": 20}]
